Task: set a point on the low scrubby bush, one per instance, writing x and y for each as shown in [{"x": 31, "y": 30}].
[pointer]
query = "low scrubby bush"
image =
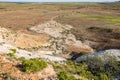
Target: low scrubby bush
[
  {"x": 70, "y": 69},
  {"x": 12, "y": 52},
  {"x": 109, "y": 67},
  {"x": 33, "y": 65},
  {"x": 64, "y": 75},
  {"x": 103, "y": 77}
]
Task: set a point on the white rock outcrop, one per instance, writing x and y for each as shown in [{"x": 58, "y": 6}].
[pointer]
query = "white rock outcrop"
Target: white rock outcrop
[
  {"x": 51, "y": 28},
  {"x": 5, "y": 49},
  {"x": 55, "y": 39},
  {"x": 103, "y": 54},
  {"x": 61, "y": 38},
  {"x": 6, "y": 36}
]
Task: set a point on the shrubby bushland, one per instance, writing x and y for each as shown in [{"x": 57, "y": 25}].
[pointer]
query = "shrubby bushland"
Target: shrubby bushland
[
  {"x": 109, "y": 67},
  {"x": 94, "y": 69},
  {"x": 64, "y": 75},
  {"x": 70, "y": 69},
  {"x": 103, "y": 76}
]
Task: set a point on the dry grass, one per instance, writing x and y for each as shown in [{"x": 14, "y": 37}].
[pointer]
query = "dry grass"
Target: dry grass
[
  {"x": 101, "y": 27},
  {"x": 83, "y": 16}
]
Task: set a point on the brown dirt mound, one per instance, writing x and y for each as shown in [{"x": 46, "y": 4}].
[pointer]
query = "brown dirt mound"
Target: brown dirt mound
[{"x": 30, "y": 41}]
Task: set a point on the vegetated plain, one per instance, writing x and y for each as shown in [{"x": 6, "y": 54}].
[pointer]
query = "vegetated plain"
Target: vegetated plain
[{"x": 96, "y": 23}]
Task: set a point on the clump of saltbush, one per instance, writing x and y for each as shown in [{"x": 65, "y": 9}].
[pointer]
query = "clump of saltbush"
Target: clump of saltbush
[
  {"x": 33, "y": 65},
  {"x": 70, "y": 69},
  {"x": 105, "y": 69},
  {"x": 12, "y": 53},
  {"x": 64, "y": 75}
]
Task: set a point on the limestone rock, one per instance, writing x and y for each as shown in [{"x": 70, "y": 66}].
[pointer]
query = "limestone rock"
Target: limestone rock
[
  {"x": 61, "y": 38},
  {"x": 51, "y": 28},
  {"x": 5, "y": 48},
  {"x": 6, "y": 36},
  {"x": 74, "y": 45},
  {"x": 111, "y": 52}
]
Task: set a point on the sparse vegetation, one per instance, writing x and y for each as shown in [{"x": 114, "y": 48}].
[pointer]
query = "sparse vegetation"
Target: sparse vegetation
[
  {"x": 104, "y": 77},
  {"x": 105, "y": 69},
  {"x": 97, "y": 24},
  {"x": 105, "y": 27},
  {"x": 64, "y": 75},
  {"x": 12, "y": 52},
  {"x": 71, "y": 69},
  {"x": 95, "y": 69},
  {"x": 104, "y": 18},
  {"x": 21, "y": 59},
  {"x": 33, "y": 65}
]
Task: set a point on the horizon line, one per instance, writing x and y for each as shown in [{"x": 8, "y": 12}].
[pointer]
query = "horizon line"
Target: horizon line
[
  {"x": 52, "y": 1},
  {"x": 56, "y": 2}
]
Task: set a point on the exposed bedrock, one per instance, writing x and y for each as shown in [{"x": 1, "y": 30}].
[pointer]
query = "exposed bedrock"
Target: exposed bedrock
[
  {"x": 61, "y": 38},
  {"x": 103, "y": 54}
]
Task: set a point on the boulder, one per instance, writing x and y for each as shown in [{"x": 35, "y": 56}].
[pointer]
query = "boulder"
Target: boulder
[
  {"x": 103, "y": 54},
  {"x": 74, "y": 45}
]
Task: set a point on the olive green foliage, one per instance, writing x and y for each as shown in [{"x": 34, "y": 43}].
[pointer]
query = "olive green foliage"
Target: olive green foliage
[
  {"x": 21, "y": 59},
  {"x": 64, "y": 75},
  {"x": 95, "y": 65},
  {"x": 94, "y": 69},
  {"x": 12, "y": 52},
  {"x": 33, "y": 65},
  {"x": 103, "y": 77},
  {"x": 108, "y": 68},
  {"x": 70, "y": 69}
]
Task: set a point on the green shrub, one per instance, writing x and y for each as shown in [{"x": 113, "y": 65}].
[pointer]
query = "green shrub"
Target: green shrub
[
  {"x": 103, "y": 77},
  {"x": 81, "y": 69},
  {"x": 72, "y": 68},
  {"x": 63, "y": 75},
  {"x": 33, "y": 65},
  {"x": 96, "y": 65},
  {"x": 21, "y": 58},
  {"x": 12, "y": 52},
  {"x": 110, "y": 67}
]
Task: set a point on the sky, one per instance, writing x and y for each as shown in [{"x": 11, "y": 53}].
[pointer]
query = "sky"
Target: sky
[{"x": 59, "y": 0}]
